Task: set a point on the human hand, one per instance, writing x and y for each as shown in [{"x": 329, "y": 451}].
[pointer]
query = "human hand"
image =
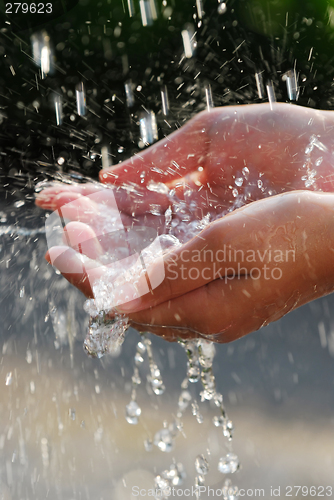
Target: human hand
[{"x": 285, "y": 143}]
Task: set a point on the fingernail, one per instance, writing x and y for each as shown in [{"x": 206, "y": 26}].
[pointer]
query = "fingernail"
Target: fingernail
[
  {"x": 126, "y": 298},
  {"x": 44, "y": 200}
]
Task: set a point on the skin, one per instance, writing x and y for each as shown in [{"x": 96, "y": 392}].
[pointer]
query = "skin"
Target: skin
[{"x": 281, "y": 236}]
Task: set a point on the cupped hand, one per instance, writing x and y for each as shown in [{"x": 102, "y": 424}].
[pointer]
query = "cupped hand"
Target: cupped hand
[{"x": 220, "y": 159}]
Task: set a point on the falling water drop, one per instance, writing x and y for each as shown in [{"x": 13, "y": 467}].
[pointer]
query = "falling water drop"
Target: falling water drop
[
  {"x": 259, "y": 85},
  {"x": 133, "y": 411},
  {"x": 229, "y": 464},
  {"x": 130, "y": 99},
  {"x": 131, "y": 8},
  {"x": 189, "y": 41},
  {"x": 81, "y": 99},
  {"x": 208, "y": 97},
  {"x": 184, "y": 400},
  {"x": 201, "y": 465},
  {"x": 163, "y": 439},
  {"x": 42, "y": 54},
  {"x": 148, "y": 128},
  {"x": 164, "y": 100},
  {"x": 9, "y": 378},
  {"x": 291, "y": 84},
  {"x": 221, "y": 8},
  {"x": 200, "y": 11},
  {"x": 271, "y": 93}
]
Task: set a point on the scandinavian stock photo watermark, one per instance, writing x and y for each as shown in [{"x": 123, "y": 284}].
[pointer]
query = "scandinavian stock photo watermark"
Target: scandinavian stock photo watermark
[
  {"x": 228, "y": 263},
  {"x": 296, "y": 491}
]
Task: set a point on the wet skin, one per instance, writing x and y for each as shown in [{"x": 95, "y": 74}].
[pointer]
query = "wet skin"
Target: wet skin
[{"x": 284, "y": 230}]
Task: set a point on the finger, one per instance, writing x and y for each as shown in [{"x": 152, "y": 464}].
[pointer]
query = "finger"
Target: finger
[
  {"x": 82, "y": 239},
  {"x": 79, "y": 270},
  {"x": 45, "y": 198},
  {"x": 138, "y": 200},
  {"x": 131, "y": 200},
  {"x": 172, "y": 158},
  {"x": 223, "y": 311}
]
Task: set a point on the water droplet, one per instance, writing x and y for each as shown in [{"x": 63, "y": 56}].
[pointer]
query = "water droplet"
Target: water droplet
[
  {"x": 9, "y": 378},
  {"x": 175, "y": 474},
  {"x": 259, "y": 85},
  {"x": 130, "y": 99},
  {"x": 189, "y": 41},
  {"x": 235, "y": 192},
  {"x": 71, "y": 413},
  {"x": 141, "y": 348},
  {"x": 163, "y": 439},
  {"x": 58, "y": 103},
  {"x": 228, "y": 429},
  {"x": 207, "y": 352},
  {"x": 222, "y": 8},
  {"x": 148, "y": 443},
  {"x": 22, "y": 292},
  {"x": 184, "y": 400},
  {"x": 230, "y": 492},
  {"x": 163, "y": 486},
  {"x": 291, "y": 84},
  {"x": 133, "y": 411},
  {"x": 271, "y": 93},
  {"x": 208, "y": 97},
  {"x": 194, "y": 374},
  {"x": 29, "y": 356},
  {"x": 229, "y": 464},
  {"x": 201, "y": 465},
  {"x": 245, "y": 172},
  {"x": 239, "y": 181},
  {"x": 196, "y": 412},
  {"x": 218, "y": 421},
  {"x": 19, "y": 203},
  {"x": 81, "y": 99},
  {"x": 148, "y": 127},
  {"x": 164, "y": 100},
  {"x": 138, "y": 358}
]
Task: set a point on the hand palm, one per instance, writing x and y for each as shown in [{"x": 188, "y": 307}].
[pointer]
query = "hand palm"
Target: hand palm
[{"x": 217, "y": 162}]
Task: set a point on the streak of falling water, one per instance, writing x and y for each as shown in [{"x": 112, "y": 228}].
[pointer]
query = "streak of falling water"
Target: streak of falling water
[
  {"x": 148, "y": 127},
  {"x": 81, "y": 99},
  {"x": 259, "y": 85},
  {"x": 130, "y": 100},
  {"x": 208, "y": 97},
  {"x": 164, "y": 100},
  {"x": 189, "y": 41},
  {"x": 200, "y": 12},
  {"x": 291, "y": 84},
  {"x": 271, "y": 93},
  {"x": 58, "y": 109},
  {"x": 105, "y": 156},
  {"x": 148, "y": 12},
  {"x": 45, "y": 452},
  {"x": 41, "y": 50},
  {"x": 131, "y": 8}
]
